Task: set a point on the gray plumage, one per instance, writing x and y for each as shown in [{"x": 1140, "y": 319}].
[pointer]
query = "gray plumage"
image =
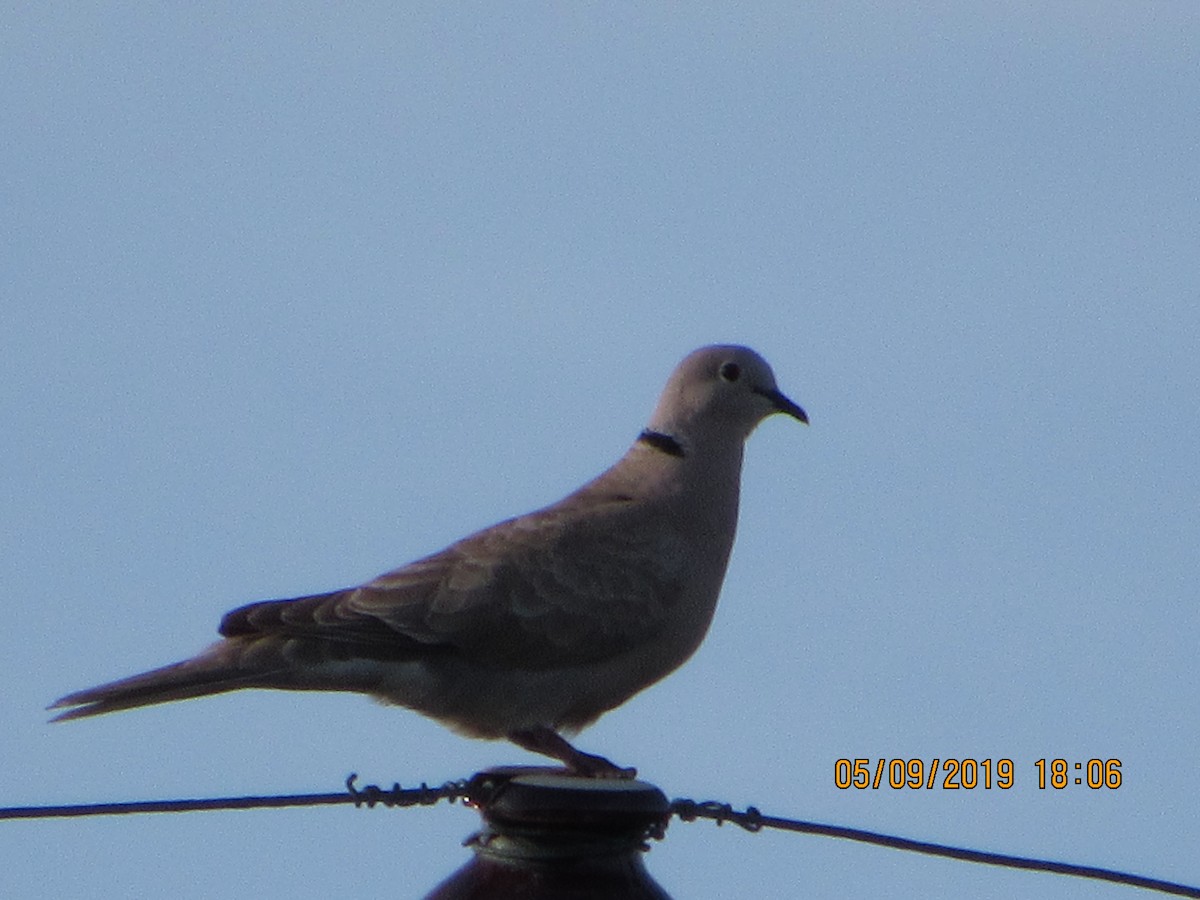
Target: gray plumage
[{"x": 536, "y": 626}]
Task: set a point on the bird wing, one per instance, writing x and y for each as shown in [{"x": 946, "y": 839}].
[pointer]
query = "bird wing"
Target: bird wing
[{"x": 571, "y": 584}]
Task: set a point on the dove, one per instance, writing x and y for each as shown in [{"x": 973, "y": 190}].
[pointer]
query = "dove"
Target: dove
[{"x": 533, "y": 628}]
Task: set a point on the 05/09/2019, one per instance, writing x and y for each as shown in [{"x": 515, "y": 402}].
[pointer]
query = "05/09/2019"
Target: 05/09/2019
[{"x": 968, "y": 774}]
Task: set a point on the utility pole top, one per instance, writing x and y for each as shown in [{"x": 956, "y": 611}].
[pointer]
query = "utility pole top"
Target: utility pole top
[{"x": 548, "y": 833}]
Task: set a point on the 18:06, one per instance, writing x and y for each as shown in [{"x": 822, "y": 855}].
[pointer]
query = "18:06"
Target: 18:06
[{"x": 1100, "y": 773}]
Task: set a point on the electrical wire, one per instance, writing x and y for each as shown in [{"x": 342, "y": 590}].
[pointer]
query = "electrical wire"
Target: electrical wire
[
  {"x": 753, "y": 820},
  {"x": 686, "y": 810}
]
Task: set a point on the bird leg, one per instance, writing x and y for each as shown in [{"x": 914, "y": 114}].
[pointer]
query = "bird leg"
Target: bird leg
[{"x": 550, "y": 743}]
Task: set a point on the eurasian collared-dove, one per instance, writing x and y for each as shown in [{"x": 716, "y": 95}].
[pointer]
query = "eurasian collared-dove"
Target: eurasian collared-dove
[{"x": 535, "y": 626}]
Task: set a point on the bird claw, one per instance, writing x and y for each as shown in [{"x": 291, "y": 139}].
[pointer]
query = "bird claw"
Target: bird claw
[
  {"x": 590, "y": 766},
  {"x": 586, "y": 765}
]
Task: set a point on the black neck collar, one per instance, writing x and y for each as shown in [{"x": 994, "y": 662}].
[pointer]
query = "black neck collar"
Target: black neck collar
[{"x": 663, "y": 442}]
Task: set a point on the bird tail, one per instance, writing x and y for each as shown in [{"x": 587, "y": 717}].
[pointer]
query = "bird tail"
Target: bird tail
[{"x": 213, "y": 672}]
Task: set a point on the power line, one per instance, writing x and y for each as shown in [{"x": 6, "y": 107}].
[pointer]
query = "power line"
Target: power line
[
  {"x": 369, "y": 796},
  {"x": 686, "y": 810},
  {"x": 753, "y": 820}
]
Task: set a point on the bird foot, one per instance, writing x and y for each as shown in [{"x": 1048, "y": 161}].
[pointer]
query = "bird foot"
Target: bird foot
[{"x": 550, "y": 743}]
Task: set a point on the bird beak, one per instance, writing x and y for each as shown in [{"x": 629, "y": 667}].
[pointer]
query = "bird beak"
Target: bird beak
[{"x": 784, "y": 405}]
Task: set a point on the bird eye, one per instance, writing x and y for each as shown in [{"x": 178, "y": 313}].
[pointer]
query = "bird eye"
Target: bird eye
[{"x": 730, "y": 371}]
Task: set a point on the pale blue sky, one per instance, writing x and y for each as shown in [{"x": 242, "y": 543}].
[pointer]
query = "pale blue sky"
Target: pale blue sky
[{"x": 294, "y": 295}]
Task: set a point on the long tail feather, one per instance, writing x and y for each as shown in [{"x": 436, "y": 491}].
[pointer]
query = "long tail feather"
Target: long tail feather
[{"x": 212, "y": 672}]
